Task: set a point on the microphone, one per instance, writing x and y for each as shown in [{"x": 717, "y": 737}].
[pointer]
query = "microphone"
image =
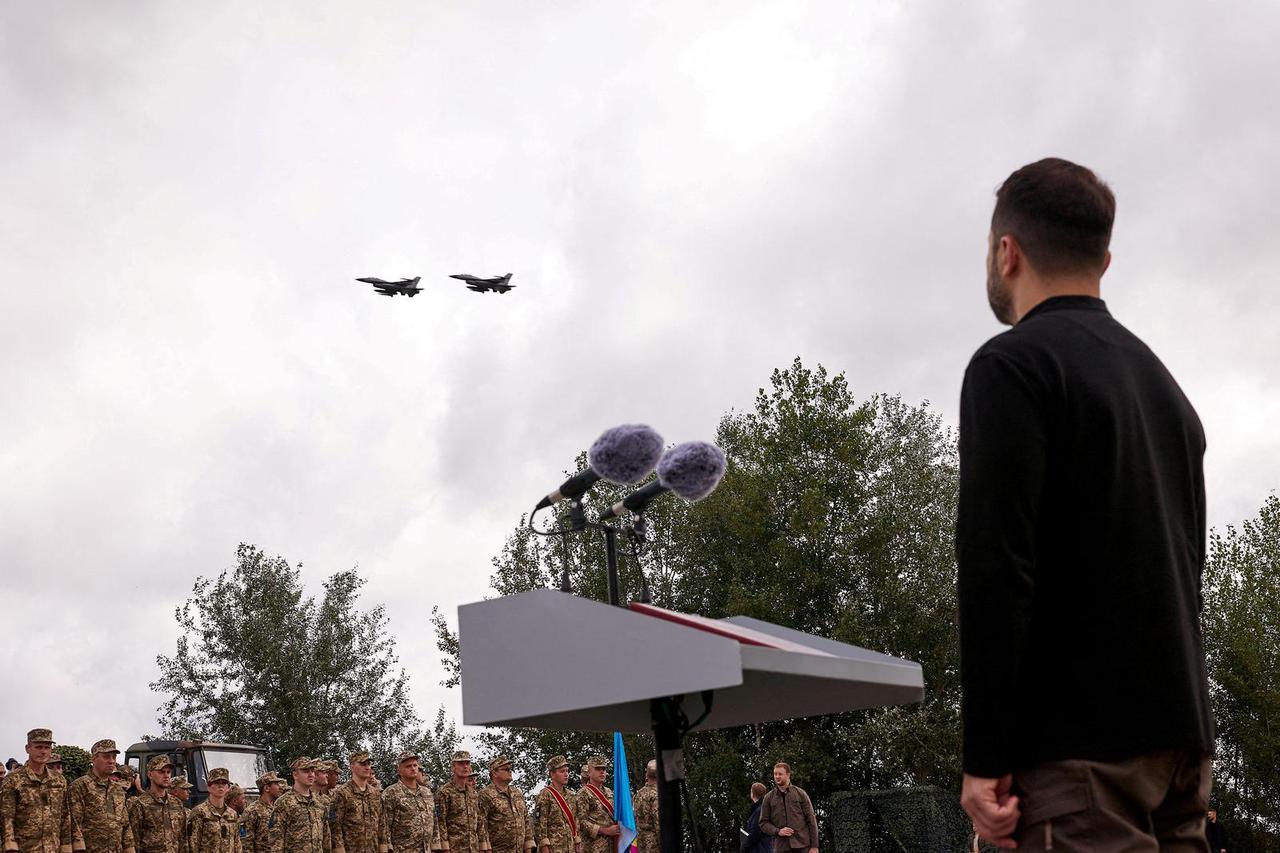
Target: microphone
[
  {"x": 624, "y": 455},
  {"x": 692, "y": 470}
]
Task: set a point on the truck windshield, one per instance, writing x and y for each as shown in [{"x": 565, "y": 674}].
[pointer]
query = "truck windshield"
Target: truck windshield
[{"x": 243, "y": 767}]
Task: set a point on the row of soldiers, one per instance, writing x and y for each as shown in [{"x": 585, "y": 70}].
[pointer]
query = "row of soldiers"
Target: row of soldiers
[{"x": 41, "y": 813}]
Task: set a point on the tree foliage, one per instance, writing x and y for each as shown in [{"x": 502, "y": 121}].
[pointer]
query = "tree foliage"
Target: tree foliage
[
  {"x": 1242, "y": 644},
  {"x": 258, "y": 662},
  {"x": 835, "y": 517},
  {"x": 75, "y": 761}
]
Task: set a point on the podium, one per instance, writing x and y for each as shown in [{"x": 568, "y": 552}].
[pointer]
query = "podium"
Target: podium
[{"x": 744, "y": 670}]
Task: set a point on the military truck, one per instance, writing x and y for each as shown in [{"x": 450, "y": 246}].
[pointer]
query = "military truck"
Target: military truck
[{"x": 193, "y": 759}]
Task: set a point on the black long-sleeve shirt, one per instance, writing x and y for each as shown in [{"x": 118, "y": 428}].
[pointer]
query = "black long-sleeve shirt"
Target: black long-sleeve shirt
[{"x": 1080, "y": 539}]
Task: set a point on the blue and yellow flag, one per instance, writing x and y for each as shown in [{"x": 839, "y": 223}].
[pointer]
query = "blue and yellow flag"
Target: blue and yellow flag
[{"x": 622, "y": 811}]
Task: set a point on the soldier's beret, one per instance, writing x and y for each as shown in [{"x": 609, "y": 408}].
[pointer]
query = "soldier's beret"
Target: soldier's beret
[
  {"x": 498, "y": 762},
  {"x": 103, "y": 747},
  {"x": 180, "y": 783},
  {"x": 40, "y": 736},
  {"x": 359, "y": 756},
  {"x": 407, "y": 755},
  {"x": 555, "y": 763},
  {"x": 54, "y": 758},
  {"x": 597, "y": 761},
  {"x": 159, "y": 762},
  {"x": 219, "y": 774},
  {"x": 268, "y": 778},
  {"x": 462, "y": 755},
  {"x": 301, "y": 763}
]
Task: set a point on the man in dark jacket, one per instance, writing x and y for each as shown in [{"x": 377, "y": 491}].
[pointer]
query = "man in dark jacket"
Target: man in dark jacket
[
  {"x": 1080, "y": 543},
  {"x": 1214, "y": 833},
  {"x": 753, "y": 840},
  {"x": 786, "y": 813}
]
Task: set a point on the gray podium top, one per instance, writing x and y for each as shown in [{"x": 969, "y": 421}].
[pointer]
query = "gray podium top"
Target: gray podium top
[{"x": 517, "y": 672}]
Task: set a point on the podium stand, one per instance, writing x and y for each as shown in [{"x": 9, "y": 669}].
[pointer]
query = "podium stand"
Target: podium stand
[{"x": 514, "y": 673}]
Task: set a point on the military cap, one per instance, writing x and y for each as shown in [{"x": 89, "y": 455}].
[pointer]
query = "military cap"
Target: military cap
[
  {"x": 597, "y": 761},
  {"x": 219, "y": 774},
  {"x": 268, "y": 778},
  {"x": 54, "y": 758},
  {"x": 159, "y": 762},
  {"x": 331, "y": 766},
  {"x": 498, "y": 762},
  {"x": 301, "y": 763},
  {"x": 317, "y": 764},
  {"x": 652, "y": 766},
  {"x": 103, "y": 747},
  {"x": 555, "y": 762},
  {"x": 234, "y": 791},
  {"x": 461, "y": 755},
  {"x": 181, "y": 782},
  {"x": 40, "y": 736},
  {"x": 121, "y": 771},
  {"x": 359, "y": 756},
  {"x": 407, "y": 755}
]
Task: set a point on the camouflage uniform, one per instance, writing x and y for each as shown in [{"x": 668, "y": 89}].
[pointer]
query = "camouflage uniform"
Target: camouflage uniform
[
  {"x": 551, "y": 828},
  {"x": 33, "y": 814},
  {"x": 645, "y": 805},
  {"x": 356, "y": 817},
  {"x": 99, "y": 817},
  {"x": 410, "y": 817},
  {"x": 298, "y": 822},
  {"x": 213, "y": 831},
  {"x": 462, "y": 829},
  {"x": 158, "y": 825},
  {"x": 505, "y": 816},
  {"x": 593, "y": 815}
]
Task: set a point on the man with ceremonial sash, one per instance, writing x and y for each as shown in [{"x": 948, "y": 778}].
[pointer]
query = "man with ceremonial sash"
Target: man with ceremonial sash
[
  {"x": 557, "y": 826},
  {"x": 594, "y": 811},
  {"x": 462, "y": 829}
]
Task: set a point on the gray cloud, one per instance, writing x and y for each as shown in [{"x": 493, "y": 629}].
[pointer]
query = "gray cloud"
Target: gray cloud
[{"x": 689, "y": 197}]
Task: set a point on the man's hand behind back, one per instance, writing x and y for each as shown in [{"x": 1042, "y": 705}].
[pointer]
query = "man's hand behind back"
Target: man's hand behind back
[{"x": 994, "y": 810}]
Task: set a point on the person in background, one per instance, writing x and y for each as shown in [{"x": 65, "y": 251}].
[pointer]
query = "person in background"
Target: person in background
[{"x": 753, "y": 840}]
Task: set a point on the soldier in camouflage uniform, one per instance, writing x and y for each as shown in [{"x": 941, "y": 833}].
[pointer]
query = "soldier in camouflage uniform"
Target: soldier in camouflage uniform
[
  {"x": 299, "y": 824},
  {"x": 557, "y": 826},
  {"x": 235, "y": 799},
  {"x": 180, "y": 789},
  {"x": 644, "y": 803},
  {"x": 356, "y": 814},
  {"x": 502, "y": 808},
  {"x": 594, "y": 809},
  {"x": 54, "y": 764},
  {"x": 409, "y": 810},
  {"x": 33, "y": 815},
  {"x": 99, "y": 817},
  {"x": 462, "y": 829},
  {"x": 213, "y": 826},
  {"x": 157, "y": 819},
  {"x": 253, "y": 823}
]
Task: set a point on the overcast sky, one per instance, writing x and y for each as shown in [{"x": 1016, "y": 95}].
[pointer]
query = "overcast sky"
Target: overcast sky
[{"x": 688, "y": 194}]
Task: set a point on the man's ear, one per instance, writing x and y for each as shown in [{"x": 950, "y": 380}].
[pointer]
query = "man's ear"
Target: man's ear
[
  {"x": 1009, "y": 259},
  {"x": 1106, "y": 264}
]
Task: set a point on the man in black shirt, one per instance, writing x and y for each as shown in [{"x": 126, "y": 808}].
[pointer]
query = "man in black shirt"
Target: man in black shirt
[{"x": 1080, "y": 539}]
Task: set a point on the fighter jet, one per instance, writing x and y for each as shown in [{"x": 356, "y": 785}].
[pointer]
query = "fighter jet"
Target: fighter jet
[
  {"x": 406, "y": 286},
  {"x": 497, "y": 284}
]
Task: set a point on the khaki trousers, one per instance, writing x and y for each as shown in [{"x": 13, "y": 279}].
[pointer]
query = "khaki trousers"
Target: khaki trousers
[{"x": 1154, "y": 802}]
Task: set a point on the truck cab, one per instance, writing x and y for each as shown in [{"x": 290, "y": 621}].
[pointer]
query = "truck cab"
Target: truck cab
[{"x": 193, "y": 759}]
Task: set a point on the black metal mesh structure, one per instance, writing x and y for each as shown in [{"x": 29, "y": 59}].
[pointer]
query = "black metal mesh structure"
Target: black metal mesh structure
[{"x": 905, "y": 820}]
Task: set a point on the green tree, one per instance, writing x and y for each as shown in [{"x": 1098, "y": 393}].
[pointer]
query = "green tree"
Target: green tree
[
  {"x": 1242, "y": 643},
  {"x": 835, "y": 517},
  {"x": 75, "y": 761},
  {"x": 258, "y": 662}
]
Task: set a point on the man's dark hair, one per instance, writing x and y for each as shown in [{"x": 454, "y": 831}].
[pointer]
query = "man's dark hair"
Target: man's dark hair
[
  {"x": 1060, "y": 213},
  {"x": 784, "y": 765}
]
